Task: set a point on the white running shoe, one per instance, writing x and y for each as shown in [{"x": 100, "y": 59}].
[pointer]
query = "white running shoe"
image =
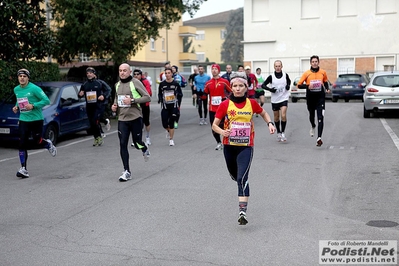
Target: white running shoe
[
  {"x": 201, "y": 121},
  {"x": 125, "y": 176},
  {"x": 171, "y": 142},
  {"x": 148, "y": 141},
  {"x": 205, "y": 123},
  {"x": 283, "y": 137},
  {"x": 103, "y": 135},
  {"x": 278, "y": 137},
  {"x": 146, "y": 155},
  {"x": 108, "y": 124},
  {"x": 219, "y": 146},
  {"x": 22, "y": 172},
  {"x": 319, "y": 142},
  {"x": 51, "y": 149},
  {"x": 242, "y": 218},
  {"x": 311, "y": 132}
]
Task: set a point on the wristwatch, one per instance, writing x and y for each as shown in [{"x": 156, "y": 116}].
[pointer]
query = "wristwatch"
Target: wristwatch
[{"x": 270, "y": 123}]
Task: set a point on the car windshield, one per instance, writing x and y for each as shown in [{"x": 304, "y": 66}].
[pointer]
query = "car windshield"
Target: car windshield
[
  {"x": 51, "y": 93},
  {"x": 349, "y": 78},
  {"x": 387, "y": 81}
]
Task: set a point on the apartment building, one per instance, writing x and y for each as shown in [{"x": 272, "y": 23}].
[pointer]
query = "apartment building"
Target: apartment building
[{"x": 348, "y": 35}]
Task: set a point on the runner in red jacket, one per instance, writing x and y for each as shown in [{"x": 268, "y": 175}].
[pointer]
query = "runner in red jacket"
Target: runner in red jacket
[{"x": 218, "y": 90}]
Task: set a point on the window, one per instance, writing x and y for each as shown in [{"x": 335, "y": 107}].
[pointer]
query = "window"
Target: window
[
  {"x": 347, "y": 8},
  {"x": 260, "y": 10},
  {"x": 201, "y": 57},
  {"x": 200, "y": 35},
  {"x": 310, "y": 9},
  {"x": 152, "y": 44},
  {"x": 163, "y": 45},
  {"x": 69, "y": 94},
  {"x": 386, "y": 6},
  {"x": 223, "y": 34},
  {"x": 346, "y": 65}
]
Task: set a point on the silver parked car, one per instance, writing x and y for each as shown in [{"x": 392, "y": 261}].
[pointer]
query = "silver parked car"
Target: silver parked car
[{"x": 382, "y": 93}]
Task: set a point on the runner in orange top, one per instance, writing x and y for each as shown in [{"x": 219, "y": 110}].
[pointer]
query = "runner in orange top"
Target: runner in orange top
[
  {"x": 238, "y": 136},
  {"x": 316, "y": 88},
  {"x": 218, "y": 90}
]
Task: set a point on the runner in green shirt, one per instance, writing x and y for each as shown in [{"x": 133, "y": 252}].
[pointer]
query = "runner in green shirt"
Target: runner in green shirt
[{"x": 30, "y": 101}]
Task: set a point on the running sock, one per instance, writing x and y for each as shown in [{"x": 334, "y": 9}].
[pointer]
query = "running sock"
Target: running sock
[
  {"x": 22, "y": 158},
  {"x": 283, "y": 124},
  {"x": 243, "y": 206},
  {"x": 277, "y": 124}
]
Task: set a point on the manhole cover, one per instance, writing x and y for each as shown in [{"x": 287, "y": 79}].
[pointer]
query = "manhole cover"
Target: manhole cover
[{"x": 382, "y": 223}]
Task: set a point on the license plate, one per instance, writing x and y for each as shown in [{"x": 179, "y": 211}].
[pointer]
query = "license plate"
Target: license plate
[
  {"x": 347, "y": 87},
  {"x": 391, "y": 101},
  {"x": 4, "y": 131}
]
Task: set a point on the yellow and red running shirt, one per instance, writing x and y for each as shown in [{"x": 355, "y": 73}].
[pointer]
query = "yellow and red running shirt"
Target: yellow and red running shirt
[{"x": 238, "y": 118}]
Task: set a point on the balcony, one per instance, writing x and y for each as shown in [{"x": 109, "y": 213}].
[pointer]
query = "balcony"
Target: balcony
[
  {"x": 187, "y": 31},
  {"x": 187, "y": 57}
]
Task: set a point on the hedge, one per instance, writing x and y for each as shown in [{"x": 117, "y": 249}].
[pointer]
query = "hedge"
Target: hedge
[{"x": 39, "y": 71}]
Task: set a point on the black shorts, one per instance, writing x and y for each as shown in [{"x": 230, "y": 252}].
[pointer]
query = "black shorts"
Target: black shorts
[
  {"x": 277, "y": 106},
  {"x": 259, "y": 93}
]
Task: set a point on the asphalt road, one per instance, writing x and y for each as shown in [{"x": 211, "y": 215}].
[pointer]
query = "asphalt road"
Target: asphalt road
[{"x": 181, "y": 207}]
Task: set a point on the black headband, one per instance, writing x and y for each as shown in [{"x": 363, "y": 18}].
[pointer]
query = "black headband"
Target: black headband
[{"x": 23, "y": 71}]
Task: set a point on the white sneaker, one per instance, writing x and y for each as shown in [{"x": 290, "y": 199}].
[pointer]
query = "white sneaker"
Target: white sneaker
[
  {"x": 278, "y": 137},
  {"x": 108, "y": 124},
  {"x": 283, "y": 137},
  {"x": 51, "y": 149},
  {"x": 22, "y": 172},
  {"x": 148, "y": 141},
  {"x": 146, "y": 155},
  {"x": 201, "y": 122},
  {"x": 311, "y": 132},
  {"x": 171, "y": 142},
  {"x": 205, "y": 123},
  {"x": 219, "y": 146},
  {"x": 103, "y": 135},
  {"x": 125, "y": 176}
]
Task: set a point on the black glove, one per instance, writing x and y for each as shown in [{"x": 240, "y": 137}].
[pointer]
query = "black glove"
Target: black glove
[
  {"x": 287, "y": 87},
  {"x": 272, "y": 89}
]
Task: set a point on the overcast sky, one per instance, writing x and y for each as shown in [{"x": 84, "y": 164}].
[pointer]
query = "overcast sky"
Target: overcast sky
[{"x": 215, "y": 6}]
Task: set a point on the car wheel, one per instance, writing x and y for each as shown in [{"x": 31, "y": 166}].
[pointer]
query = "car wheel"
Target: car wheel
[
  {"x": 294, "y": 100},
  {"x": 346, "y": 100},
  {"x": 366, "y": 113},
  {"x": 51, "y": 134},
  {"x": 334, "y": 99}
]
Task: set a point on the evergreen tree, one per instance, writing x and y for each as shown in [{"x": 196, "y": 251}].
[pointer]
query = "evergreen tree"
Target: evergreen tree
[
  {"x": 232, "y": 48},
  {"x": 23, "y": 30},
  {"x": 113, "y": 29}
]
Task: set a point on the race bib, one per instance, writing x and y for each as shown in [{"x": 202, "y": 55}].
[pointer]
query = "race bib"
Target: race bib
[
  {"x": 22, "y": 103},
  {"x": 216, "y": 100},
  {"x": 316, "y": 85},
  {"x": 240, "y": 133},
  {"x": 120, "y": 101},
  {"x": 169, "y": 96},
  {"x": 91, "y": 96}
]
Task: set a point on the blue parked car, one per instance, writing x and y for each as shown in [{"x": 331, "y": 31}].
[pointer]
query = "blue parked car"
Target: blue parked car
[
  {"x": 349, "y": 86},
  {"x": 66, "y": 113}
]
